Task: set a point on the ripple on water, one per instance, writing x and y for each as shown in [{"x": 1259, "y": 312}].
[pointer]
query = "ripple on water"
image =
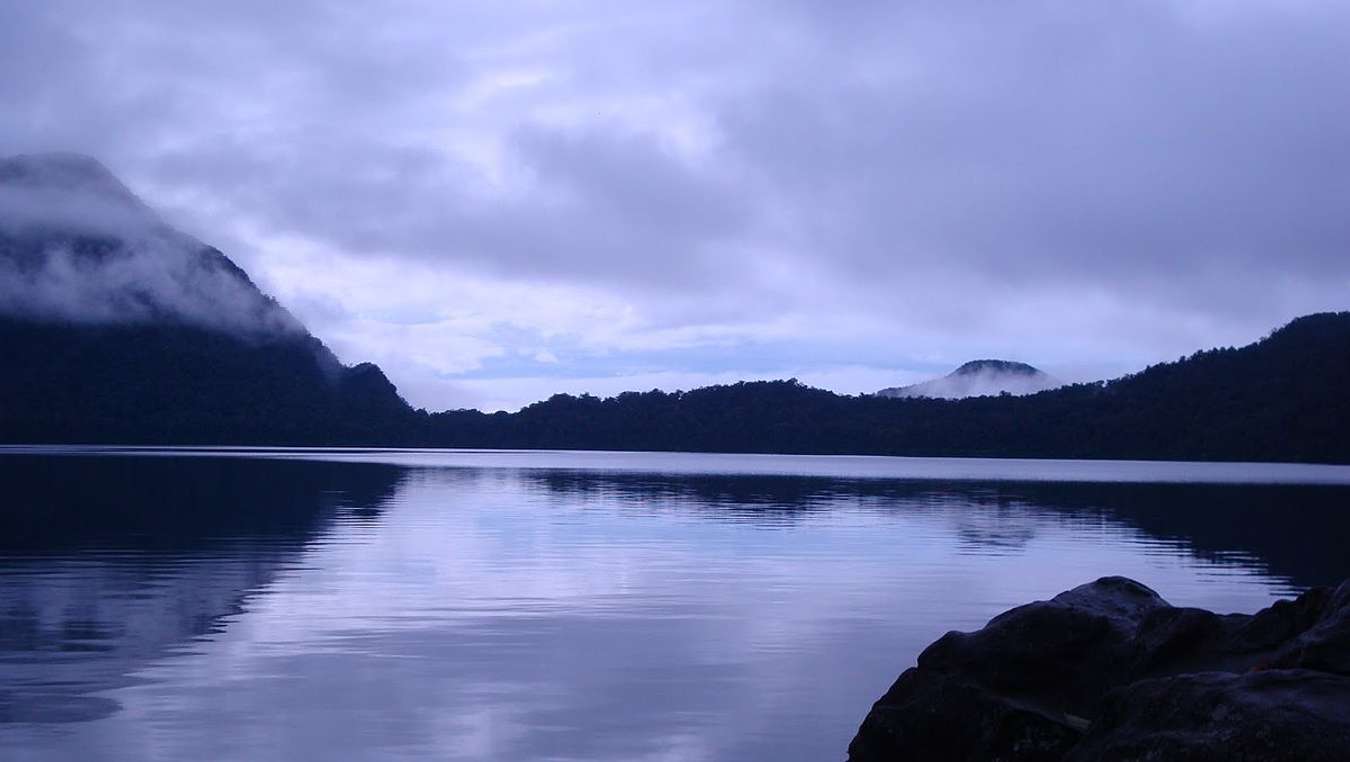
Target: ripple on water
[{"x": 302, "y": 604}]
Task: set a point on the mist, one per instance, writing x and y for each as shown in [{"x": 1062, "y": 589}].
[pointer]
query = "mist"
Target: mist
[
  {"x": 77, "y": 246},
  {"x": 982, "y": 382}
]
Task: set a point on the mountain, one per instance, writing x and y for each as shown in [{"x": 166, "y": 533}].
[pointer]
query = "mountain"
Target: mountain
[
  {"x": 1280, "y": 399},
  {"x": 117, "y": 327},
  {"x": 979, "y": 378}
]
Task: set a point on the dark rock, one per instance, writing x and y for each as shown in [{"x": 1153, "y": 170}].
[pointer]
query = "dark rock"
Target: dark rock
[
  {"x": 925, "y": 710},
  {"x": 1326, "y": 644},
  {"x": 1221, "y": 717},
  {"x": 1272, "y": 627},
  {"x": 1172, "y": 636},
  {"x": 1109, "y": 670},
  {"x": 1026, "y": 652}
]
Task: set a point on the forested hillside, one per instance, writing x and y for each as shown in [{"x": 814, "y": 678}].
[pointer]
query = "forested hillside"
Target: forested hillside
[{"x": 1283, "y": 398}]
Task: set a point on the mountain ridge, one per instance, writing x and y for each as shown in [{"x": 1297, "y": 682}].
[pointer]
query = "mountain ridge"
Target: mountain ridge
[
  {"x": 138, "y": 352},
  {"x": 1277, "y": 399},
  {"x": 121, "y": 327}
]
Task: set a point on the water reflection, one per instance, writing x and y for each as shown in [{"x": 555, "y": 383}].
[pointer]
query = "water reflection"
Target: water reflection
[
  {"x": 108, "y": 563},
  {"x": 248, "y": 608},
  {"x": 1294, "y": 531}
]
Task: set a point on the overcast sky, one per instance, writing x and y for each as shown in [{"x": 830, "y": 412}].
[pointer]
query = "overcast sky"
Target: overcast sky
[{"x": 499, "y": 200}]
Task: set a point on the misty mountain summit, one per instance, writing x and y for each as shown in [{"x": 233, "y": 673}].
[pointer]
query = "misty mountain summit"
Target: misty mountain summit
[
  {"x": 69, "y": 174},
  {"x": 76, "y": 245},
  {"x": 979, "y": 378},
  {"x": 126, "y": 329},
  {"x": 976, "y": 367}
]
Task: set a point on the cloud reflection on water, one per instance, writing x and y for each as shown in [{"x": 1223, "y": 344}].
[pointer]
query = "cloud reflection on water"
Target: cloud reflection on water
[{"x": 305, "y": 608}]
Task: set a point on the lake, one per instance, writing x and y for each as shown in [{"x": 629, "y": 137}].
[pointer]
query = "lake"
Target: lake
[{"x": 258, "y": 604}]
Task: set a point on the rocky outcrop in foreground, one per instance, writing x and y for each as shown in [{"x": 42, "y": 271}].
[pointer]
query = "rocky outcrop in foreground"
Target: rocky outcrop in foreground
[{"x": 1110, "y": 670}]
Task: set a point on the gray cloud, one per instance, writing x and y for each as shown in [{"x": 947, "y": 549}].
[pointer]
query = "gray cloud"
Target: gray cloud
[
  {"x": 1088, "y": 184},
  {"x": 1076, "y": 141}
]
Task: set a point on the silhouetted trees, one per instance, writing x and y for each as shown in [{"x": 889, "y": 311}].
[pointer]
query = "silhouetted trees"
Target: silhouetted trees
[
  {"x": 174, "y": 383},
  {"x": 1283, "y": 398}
]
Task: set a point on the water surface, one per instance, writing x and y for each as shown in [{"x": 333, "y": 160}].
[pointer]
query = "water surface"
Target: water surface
[{"x": 257, "y": 604}]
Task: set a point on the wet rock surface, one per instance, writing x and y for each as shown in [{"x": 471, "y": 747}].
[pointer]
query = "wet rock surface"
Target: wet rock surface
[{"x": 1110, "y": 670}]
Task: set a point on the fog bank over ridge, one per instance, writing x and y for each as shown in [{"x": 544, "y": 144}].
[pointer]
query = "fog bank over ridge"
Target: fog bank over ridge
[
  {"x": 980, "y": 378},
  {"x": 76, "y": 245}
]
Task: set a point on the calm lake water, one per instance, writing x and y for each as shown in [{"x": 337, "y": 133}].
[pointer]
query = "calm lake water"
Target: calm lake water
[{"x": 354, "y": 604}]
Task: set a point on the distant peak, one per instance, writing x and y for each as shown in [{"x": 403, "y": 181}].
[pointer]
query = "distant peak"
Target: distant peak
[
  {"x": 978, "y": 378},
  {"x": 996, "y": 366}
]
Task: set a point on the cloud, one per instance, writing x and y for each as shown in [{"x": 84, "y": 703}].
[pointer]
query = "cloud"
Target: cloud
[
  {"x": 76, "y": 245},
  {"x": 1083, "y": 185}
]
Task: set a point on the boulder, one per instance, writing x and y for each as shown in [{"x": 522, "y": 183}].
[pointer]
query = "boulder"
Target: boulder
[
  {"x": 1221, "y": 717},
  {"x": 1111, "y": 670},
  {"x": 1325, "y": 644}
]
